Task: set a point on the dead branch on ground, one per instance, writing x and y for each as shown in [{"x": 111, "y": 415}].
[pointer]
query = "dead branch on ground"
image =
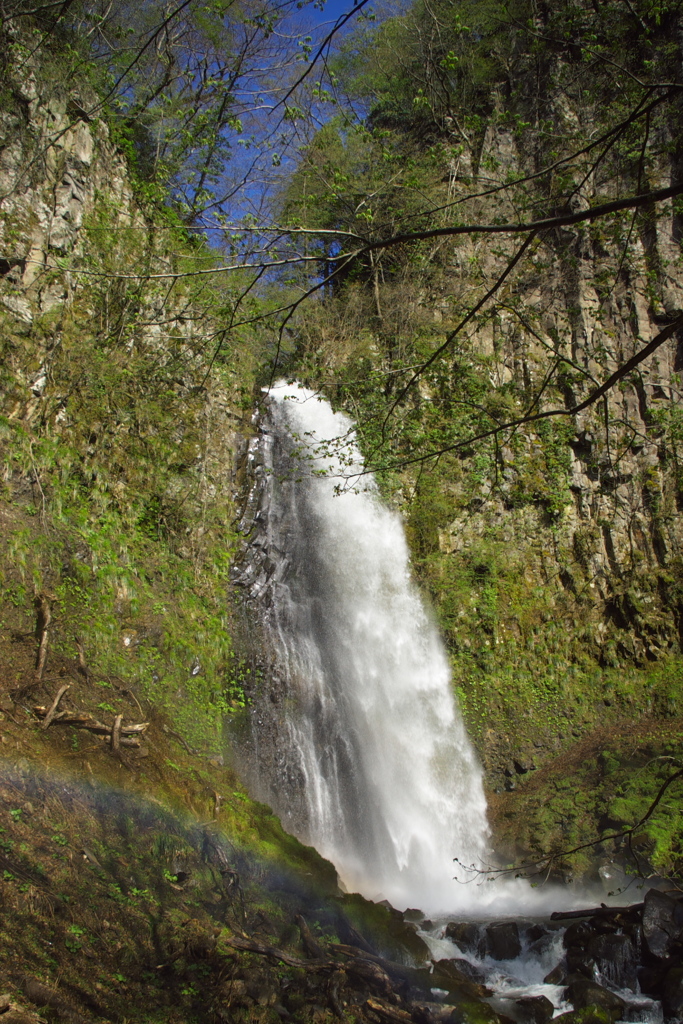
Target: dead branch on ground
[
  {"x": 43, "y": 618},
  {"x": 117, "y": 734},
  {"x": 55, "y": 704}
]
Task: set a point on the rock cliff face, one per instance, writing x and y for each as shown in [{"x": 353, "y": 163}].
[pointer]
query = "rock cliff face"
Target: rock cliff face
[
  {"x": 56, "y": 164},
  {"x": 591, "y": 511},
  {"x": 593, "y": 299},
  {"x": 117, "y": 442},
  {"x": 557, "y": 569}
]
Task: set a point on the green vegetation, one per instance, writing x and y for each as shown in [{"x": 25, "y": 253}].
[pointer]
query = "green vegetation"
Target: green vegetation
[
  {"x": 113, "y": 925},
  {"x": 550, "y": 545},
  {"x": 119, "y": 503},
  {"x": 604, "y": 790},
  {"x": 547, "y": 540}
]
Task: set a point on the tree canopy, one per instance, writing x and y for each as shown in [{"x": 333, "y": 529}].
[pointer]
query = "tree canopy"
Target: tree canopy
[{"x": 346, "y": 164}]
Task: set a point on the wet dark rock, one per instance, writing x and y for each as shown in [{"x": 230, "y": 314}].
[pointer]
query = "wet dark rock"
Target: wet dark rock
[
  {"x": 406, "y": 936},
  {"x": 364, "y": 919},
  {"x": 583, "y": 993},
  {"x": 480, "y": 1012},
  {"x": 464, "y": 934},
  {"x": 580, "y": 962},
  {"x": 578, "y": 934},
  {"x": 588, "y": 1015},
  {"x": 464, "y": 969},
  {"x": 448, "y": 976},
  {"x": 615, "y": 958},
  {"x": 470, "y": 971},
  {"x": 604, "y": 925},
  {"x": 672, "y": 993},
  {"x": 662, "y": 923},
  {"x": 535, "y": 932},
  {"x": 502, "y": 940},
  {"x": 557, "y": 976},
  {"x": 651, "y": 979},
  {"x": 537, "y": 1009},
  {"x": 543, "y": 945}
]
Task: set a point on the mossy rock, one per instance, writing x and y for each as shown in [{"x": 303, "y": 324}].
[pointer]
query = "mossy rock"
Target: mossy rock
[
  {"x": 587, "y": 1015},
  {"x": 384, "y": 930},
  {"x": 475, "y": 1012}
]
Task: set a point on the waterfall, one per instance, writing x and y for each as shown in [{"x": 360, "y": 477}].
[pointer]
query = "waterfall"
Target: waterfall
[{"x": 359, "y": 745}]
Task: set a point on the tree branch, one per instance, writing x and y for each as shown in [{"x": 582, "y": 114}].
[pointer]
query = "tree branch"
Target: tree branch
[
  {"x": 522, "y": 227},
  {"x": 603, "y": 388}
]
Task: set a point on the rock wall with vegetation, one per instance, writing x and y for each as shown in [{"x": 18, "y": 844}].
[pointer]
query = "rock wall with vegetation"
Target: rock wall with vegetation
[
  {"x": 549, "y": 539},
  {"x": 138, "y": 880},
  {"x": 117, "y": 432}
]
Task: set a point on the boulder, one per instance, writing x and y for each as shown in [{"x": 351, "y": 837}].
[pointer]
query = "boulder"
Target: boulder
[
  {"x": 672, "y": 993},
  {"x": 588, "y": 1015},
  {"x": 481, "y": 1012},
  {"x": 577, "y": 934},
  {"x": 543, "y": 947},
  {"x": 662, "y": 923},
  {"x": 579, "y": 961},
  {"x": 534, "y": 932},
  {"x": 465, "y": 967},
  {"x": 615, "y": 958},
  {"x": 447, "y": 975},
  {"x": 651, "y": 979},
  {"x": 464, "y": 934},
  {"x": 502, "y": 940},
  {"x": 583, "y": 993},
  {"x": 557, "y": 976},
  {"x": 536, "y": 1009}
]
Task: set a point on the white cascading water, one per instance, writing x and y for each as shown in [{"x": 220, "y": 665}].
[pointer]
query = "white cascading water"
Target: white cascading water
[{"x": 375, "y": 768}]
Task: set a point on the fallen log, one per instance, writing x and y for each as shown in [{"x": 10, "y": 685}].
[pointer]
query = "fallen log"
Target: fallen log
[
  {"x": 372, "y": 975},
  {"x": 82, "y": 666},
  {"x": 393, "y": 969},
  {"x": 310, "y": 943},
  {"x": 601, "y": 911},
  {"x": 388, "y": 1013},
  {"x": 334, "y": 989},
  {"x": 116, "y": 733},
  {"x": 361, "y": 968},
  {"x": 250, "y": 946},
  {"x": 124, "y": 741}
]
